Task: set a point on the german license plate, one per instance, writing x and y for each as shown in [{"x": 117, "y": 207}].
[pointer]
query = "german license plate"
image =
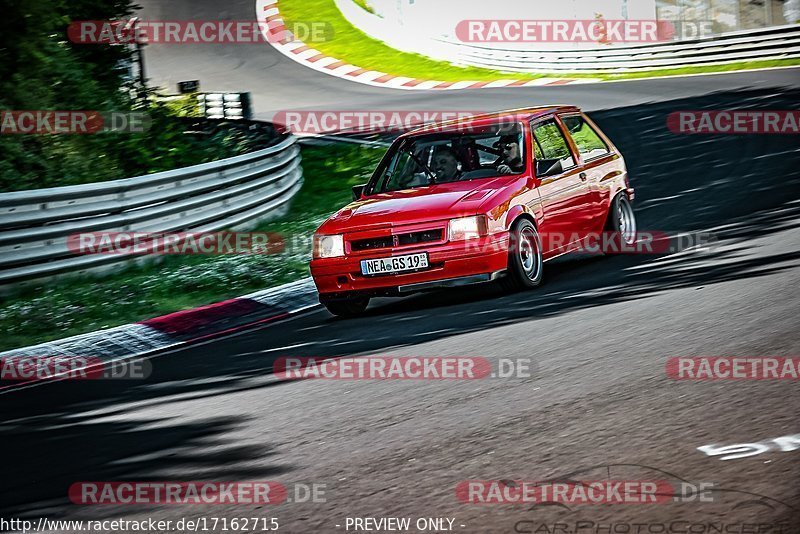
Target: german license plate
[{"x": 395, "y": 264}]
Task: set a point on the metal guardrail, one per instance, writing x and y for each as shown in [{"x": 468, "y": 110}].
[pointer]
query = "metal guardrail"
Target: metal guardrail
[
  {"x": 231, "y": 193},
  {"x": 778, "y": 42},
  {"x": 782, "y": 42}
]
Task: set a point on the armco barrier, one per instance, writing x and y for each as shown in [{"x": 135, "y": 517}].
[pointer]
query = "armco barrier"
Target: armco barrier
[
  {"x": 780, "y": 42},
  {"x": 232, "y": 193},
  {"x": 766, "y": 44}
]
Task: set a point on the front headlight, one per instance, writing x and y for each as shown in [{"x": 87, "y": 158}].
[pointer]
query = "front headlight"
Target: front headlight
[
  {"x": 467, "y": 228},
  {"x": 328, "y": 246}
]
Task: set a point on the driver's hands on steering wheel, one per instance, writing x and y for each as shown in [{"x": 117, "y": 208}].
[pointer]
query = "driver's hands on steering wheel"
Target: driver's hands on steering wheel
[{"x": 504, "y": 169}]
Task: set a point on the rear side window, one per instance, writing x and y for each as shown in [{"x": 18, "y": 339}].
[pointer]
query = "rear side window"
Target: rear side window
[
  {"x": 551, "y": 145},
  {"x": 586, "y": 139}
]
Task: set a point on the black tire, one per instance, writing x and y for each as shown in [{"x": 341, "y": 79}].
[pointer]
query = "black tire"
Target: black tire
[
  {"x": 347, "y": 308},
  {"x": 525, "y": 263},
  {"x": 621, "y": 220}
]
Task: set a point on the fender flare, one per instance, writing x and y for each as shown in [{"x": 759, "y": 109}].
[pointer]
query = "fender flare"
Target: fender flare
[{"x": 522, "y": 210}]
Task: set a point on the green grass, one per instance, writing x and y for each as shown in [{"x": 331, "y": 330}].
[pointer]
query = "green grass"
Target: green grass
[
  {"x": 364, "y": 5},
  {"x": 74, "y": 306},
  {"x": 352, "y": 45}
]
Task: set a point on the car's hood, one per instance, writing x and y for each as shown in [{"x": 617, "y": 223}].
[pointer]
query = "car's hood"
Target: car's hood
[{"x": 436, "y": 202}]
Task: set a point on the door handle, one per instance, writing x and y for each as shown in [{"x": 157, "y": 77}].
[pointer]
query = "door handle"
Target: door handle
[{"x": 582, "y": 176}]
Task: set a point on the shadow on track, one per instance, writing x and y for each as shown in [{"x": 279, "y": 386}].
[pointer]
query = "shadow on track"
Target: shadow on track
[
  {"x": 683, "y": 183},
  {"x": 48, "y": 453}
]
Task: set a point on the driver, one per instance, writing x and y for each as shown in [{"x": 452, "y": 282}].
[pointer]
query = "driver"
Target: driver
[
  {"x": 510, "y": 160},
  {"x": 445, "y": 164}
]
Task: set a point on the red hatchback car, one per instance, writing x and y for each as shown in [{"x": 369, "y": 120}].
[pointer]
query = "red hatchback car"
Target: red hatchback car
[{"x": 483, "y": 198}]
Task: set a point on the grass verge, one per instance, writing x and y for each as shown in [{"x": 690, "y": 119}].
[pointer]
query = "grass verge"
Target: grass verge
[
  {"x": 354, "y": 46},
  {"x": 75, "y": 306}
]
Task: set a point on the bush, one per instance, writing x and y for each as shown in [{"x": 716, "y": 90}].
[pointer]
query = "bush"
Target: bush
[{"x": 41, "y": 70}]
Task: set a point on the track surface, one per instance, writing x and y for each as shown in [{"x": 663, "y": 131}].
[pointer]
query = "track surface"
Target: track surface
[
  {"x": 278, "y": 83},
  {"x": 600, "y": 331}
]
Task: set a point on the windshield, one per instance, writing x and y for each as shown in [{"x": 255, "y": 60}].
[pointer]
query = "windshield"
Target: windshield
[{"x": 424, "y": 160}]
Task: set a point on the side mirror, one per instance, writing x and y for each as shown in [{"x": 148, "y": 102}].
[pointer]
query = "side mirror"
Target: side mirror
[
  {"x": 358, "y": 191},
  {"x": 548, "y": 167}
]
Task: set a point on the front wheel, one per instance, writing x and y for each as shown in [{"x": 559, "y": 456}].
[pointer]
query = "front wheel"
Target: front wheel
[
  {"x": 525, "y": 263},
  {"x": 347, "y": 308}
]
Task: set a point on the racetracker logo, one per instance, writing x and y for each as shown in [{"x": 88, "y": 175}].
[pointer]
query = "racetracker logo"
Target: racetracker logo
[
  {"x": 608, "y": 242},
  {"x": 567, "y": 492},
  {"x": 734, "y": 122},
  {"x": 402, "y": 368},
  {"x": 733, "y": 368},
  {"x": 134, "y": 243},
  {"x": 565, "y": 31},
  {"x": 181, "y": 32},
  {"x": 645, "y": 242},
  {"x": 50, "y": 122},
  {"x": 374, "y": 121},
  {"x": 203, "y": 493},
  {"x": 29, "y": 368}
]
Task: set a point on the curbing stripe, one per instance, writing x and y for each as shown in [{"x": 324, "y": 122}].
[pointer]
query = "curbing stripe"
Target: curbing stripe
[
  {"x": 335, "y": 64},
  {"x": 268, "y": 11},
  {"x": 383, "y": 79},
  {"x": 325, "y": 61},
  {"x": 180, "y": 328},
  {"x": 399, "y": 81},
  {"x": 314, "y": 59},
  {"x": 112, "y": 342}
]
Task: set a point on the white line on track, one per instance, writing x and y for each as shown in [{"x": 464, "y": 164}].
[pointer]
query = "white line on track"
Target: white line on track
[
  {"x": 287, "y": 347},
  {"x": 434, "y": 332}
]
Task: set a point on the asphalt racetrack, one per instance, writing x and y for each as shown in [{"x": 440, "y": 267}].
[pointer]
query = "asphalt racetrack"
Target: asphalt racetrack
[{"x": 597, "y": 405}]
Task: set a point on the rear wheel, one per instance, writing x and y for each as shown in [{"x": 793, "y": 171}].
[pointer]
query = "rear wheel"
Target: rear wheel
[
  {"x": 621, "y": 220},
  {"x": 347, "y": 308},
  {"x": 525, "y": 263}
]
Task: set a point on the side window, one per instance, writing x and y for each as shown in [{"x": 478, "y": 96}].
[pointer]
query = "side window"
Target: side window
[
  {"x": 588, "y": 142},
  {"x": 550, "y": 144}
]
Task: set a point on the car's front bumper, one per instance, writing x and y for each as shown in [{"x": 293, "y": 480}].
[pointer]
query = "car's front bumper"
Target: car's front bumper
[{"x": 450, "y": 264}]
